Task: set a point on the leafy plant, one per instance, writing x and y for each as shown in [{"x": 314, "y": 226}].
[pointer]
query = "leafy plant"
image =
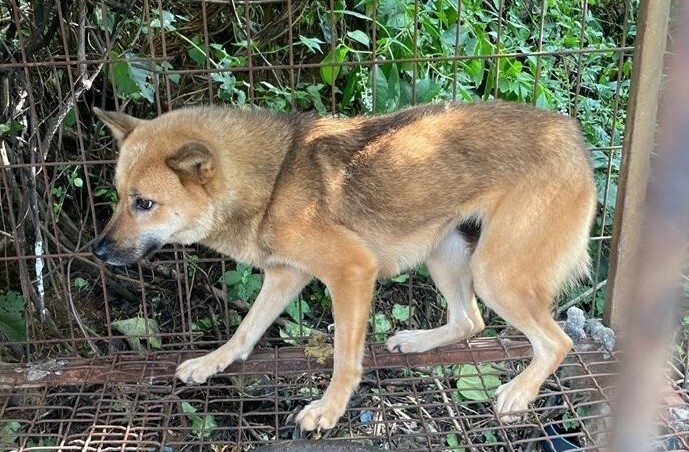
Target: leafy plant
[
  {"x": 242, "y": 283},
  {"x": 401, "y": 313},
  {"x": 201, "y": 426},
  {"x": 9, "y": 433},
  {"x": 61, "y": 191},
  {"x": 80, "y": 283},
  {"x": 476, "y": 382},
  {"x": 452, "y": 441},
  {"x": 137, "y": 329},
  {"x": 381, "y": 325},
  {"x": 571, "y": 421},
  {"x": 295, "y": 328},
  {"x": 12, "y": 322}
]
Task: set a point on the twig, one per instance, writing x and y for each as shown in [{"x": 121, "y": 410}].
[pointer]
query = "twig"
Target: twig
[
  {"x": 39, "y": 247},
  {"x": 448, "y": 406},
  {"x": 574, "y": 301},
  {"x": 67, "y": 104},
  {"x": 75, "y": 314}
]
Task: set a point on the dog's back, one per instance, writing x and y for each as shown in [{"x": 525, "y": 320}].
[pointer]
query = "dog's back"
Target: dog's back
[{"x": 401, "y": 180}]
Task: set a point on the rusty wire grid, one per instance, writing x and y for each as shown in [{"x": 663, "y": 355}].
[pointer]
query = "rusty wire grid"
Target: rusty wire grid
[{"x": 76, "y": 380}]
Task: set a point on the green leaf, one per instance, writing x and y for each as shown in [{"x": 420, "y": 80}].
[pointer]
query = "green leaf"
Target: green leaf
[
  {"x": 9, "y": 434},
  {"x": 119, "y": 76},
  {"x": 399, "y": 21},
  {"x": 394, "y": 90},
  {"x": 70, "y": 119},
  {"x": 449, "y": 37},
  {"x": 381, "y": 90},
  {"x": 490, "y": 437},
  {"x": 188, "y": 408},
  {"x": 12, "y": 322},
  {"x": 352, "y": 13},
  {"x": 292, "y": 330},
  {"x": 140, "y": 74},
  {"x": 195, "y": 52},
  {"x": 453, "y": 441},
  {"x": 381, "y": 323},
  {"x": 202, "y": 426},
  {"x": 403, "y": 277},
  {"x": 422, "y": 270},
  {"x": 293, "y": 308},
  {"x": 315, "y": 96},
  {"x": 360, "y": 37},
  {"x": 476, "y": 382},
  {"x": 475, "y": 70},
  {"x": 167, "y": 21},
  {"x": 331, "y": 64},
  {"x": 232, "y": 277},
  {"x": 204, "y": 324},
  {"x": 401, "y": 312},
  {"x": 138, "y": 328},
  {"x": 131, "y": 79},
  {"x": 313, "y": 44},
  {"x": 427, "y": 90}
]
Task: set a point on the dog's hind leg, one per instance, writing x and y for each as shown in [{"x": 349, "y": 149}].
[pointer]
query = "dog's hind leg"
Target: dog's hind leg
[
  {"x": 533, "y": 243},
  {"x": 281, "y": 285},
  {"x": 448, "y": 266}
]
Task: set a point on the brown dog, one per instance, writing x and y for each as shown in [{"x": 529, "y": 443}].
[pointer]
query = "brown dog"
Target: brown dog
[{"x": 348, "y": 201}]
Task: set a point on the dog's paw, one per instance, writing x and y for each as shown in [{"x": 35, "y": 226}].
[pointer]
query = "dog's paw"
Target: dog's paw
[
  {"x": 513, "y": 401},
  {"x": 409, "y": 341},
  {"x": 198, "y": 370},
  {"x": 318, "y": 415}
]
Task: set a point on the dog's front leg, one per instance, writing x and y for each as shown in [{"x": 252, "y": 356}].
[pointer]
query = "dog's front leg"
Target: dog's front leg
[
  {"x": 351, "y": 293},
  {"x": 351, "y": 287},
  {"x": 281, "y": 285}
]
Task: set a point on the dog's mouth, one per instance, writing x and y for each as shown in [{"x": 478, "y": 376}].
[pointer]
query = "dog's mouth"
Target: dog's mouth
[
  {"x": 111, "y": 254},
  {"x": 151, "y": 250}
]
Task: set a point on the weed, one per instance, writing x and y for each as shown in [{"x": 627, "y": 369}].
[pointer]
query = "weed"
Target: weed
[
  {"x": 12, "y": 324},
  {"x": 201, "y": 426}
]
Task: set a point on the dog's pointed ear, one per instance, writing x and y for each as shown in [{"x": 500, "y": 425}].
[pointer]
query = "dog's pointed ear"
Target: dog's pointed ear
[
  {"x": 120, "y": 124},
  {"x": 193, "y": 161}
]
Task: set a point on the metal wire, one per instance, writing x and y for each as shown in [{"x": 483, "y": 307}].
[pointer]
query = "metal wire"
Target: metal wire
[{"x": 75, "y": 384}]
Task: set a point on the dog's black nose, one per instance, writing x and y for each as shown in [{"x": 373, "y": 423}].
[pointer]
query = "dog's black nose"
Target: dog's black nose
[{"x": 101, "y": 247}]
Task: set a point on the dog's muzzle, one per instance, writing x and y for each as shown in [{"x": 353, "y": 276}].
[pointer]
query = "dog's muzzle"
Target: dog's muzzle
[
  {"x": 101, "y": 247},
  {"x": 112, "y": 253}
]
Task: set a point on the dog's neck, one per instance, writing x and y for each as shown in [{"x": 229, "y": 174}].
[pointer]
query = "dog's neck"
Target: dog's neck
[{"x": 251, "y": 162}]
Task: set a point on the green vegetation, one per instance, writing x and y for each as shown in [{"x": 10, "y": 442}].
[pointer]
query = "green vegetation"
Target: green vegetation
[
  {"x": 201, "y": 426},
  {"x": 340, "y": 44},
  {"x": 137, "y": 329},
  {"x": 12, "y": 323}
]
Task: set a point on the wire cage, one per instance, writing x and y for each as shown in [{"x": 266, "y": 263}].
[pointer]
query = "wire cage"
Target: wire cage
[{"x": 89, "y": 352}]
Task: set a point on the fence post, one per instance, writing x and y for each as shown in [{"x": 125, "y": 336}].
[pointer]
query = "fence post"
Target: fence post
[{"x": 639, "y": 139}]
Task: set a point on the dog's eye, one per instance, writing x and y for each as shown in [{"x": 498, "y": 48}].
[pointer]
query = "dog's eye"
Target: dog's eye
[{"x": 143, "y": 204}]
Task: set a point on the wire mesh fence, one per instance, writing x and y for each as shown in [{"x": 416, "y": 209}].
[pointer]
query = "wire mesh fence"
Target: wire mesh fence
[{"x": 91, "y": 350}]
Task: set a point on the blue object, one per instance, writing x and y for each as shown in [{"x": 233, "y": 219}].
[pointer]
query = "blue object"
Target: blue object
[
  {"x": 556, "y": 442},
  {"x": 366, "y": 416}
]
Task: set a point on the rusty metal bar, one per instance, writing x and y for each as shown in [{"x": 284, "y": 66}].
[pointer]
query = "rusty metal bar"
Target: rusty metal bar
[{"x": 127, "y": 368}]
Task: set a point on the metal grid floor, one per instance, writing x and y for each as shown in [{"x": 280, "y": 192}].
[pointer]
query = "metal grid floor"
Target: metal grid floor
[{"x": 405, "y": 402}]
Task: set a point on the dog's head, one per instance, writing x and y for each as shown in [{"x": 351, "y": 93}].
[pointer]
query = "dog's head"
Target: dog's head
[{"x": 163, "y": 175}]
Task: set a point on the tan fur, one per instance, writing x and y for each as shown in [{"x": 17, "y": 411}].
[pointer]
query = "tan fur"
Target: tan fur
[{"x": 348, "y": 201}]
